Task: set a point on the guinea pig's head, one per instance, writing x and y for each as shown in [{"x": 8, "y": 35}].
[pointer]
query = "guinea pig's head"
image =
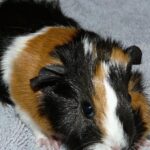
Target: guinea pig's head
[{"x": 86, "y": 97}]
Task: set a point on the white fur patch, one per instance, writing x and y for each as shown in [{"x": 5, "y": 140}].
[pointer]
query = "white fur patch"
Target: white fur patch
[
  {"x": 118, "y": 64},
  {"x": 88, "y": 46},
  {"x": 13, "y": 51},
  {"x": 111, "y": 123},
  {"x": 115, "y": 136},
  {"x": 99, "y": 146}
]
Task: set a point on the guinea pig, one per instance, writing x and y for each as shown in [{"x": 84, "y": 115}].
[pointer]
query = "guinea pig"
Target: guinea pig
[{"x": 69, "y": 85}]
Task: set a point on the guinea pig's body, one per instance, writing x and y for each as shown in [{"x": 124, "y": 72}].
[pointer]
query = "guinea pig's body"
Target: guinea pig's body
[{"x": 70, "y": 84}]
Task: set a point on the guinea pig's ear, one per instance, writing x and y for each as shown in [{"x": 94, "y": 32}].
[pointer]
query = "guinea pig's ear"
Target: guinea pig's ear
[
  {"x": 48, "y": 75},
  {"x": 135, "y": 54}
]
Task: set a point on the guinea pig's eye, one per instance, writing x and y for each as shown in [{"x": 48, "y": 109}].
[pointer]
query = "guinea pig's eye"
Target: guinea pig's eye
[
  {"x": 129, "y": 98},
  {"x": 88, "y": 109}
]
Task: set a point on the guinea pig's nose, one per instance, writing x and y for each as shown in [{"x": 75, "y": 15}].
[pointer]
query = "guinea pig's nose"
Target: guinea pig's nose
[{"x": 116, "y": 147}]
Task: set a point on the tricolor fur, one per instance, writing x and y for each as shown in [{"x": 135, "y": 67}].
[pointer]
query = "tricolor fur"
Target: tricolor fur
[{"x": 64, "y": 80}]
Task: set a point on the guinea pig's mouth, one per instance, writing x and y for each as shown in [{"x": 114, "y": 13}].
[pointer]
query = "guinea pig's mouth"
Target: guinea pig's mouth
[
  {"x": 94, "y": 145},
  {"x": 59, "y": 139}
]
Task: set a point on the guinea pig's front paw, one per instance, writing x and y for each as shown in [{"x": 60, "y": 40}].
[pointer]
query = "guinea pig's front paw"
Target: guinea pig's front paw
[
  {"x": 47, "y": 143},
  {"x": 144, "y": 145}
]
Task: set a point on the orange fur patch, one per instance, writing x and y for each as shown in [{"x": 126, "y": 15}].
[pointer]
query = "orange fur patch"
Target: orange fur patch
[
  {"x": 139, "y": 101},
  {"x": 119, "y": 56},
  {"x": 99, "y": 98},
  {"x": 28, "y": 64}
]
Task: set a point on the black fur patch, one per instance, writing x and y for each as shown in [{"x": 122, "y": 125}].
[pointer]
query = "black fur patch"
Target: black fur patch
[
  {"x": 139, "y": 125},
  {"x": 25, "y": 16},
  {"x": 135, "y": 54}
]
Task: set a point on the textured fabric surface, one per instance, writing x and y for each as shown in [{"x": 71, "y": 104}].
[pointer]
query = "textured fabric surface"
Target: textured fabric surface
[{"x": 124, "y": 20}]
